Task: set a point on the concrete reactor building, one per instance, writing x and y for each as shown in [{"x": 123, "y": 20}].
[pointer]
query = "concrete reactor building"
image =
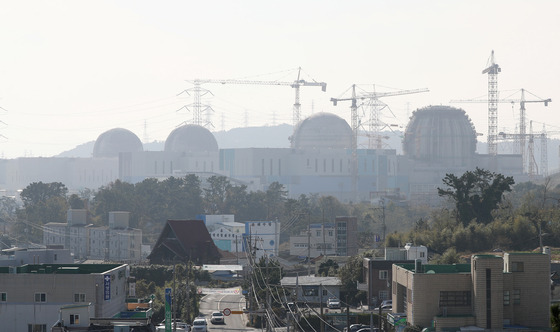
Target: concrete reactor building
[{"x": 438, "y": 140}]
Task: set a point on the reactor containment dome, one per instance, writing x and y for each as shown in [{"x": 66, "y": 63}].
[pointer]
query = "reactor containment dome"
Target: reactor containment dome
[
  {"x": 114, "y": 141},
  {"x": 191, "y": 138},
  {"x": 322, "y": 131},
  {"x": 441, "y": 135}
]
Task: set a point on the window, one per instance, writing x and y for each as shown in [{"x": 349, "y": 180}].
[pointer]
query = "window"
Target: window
[
  {"x": 383, "y": 274},
  {"x": 383, "y": 295},
  {"x": 3, "y": 297},
  {"x": 74, "y": 319},
  {"x": 506, "y": 297},
  {"x": 517, "y": 296},
  {"x": 516, "y": 266},
  {"x": 325, "y": 292},
  {"x": 40, "y": 297},
  {"x": 454, "y": 298},
  {"x": 310, "y": 290},
  {"x": 79, "y": 297},
  {"x": 36, "y": 327}
]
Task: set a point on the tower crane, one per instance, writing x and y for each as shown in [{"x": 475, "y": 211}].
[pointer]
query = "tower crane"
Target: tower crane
[
  {"x": 299, "y": 82},
  {"x": 492, "y": 70},
  {"x": 374, "y": 125},
  {"x": 522, "y": 136}
]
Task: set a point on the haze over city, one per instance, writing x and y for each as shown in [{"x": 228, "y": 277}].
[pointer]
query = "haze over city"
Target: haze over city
[{"x": 72, "y": 70}]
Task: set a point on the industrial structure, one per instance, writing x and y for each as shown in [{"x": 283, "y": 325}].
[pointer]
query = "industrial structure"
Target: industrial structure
[{"x": 322, "y": 158}]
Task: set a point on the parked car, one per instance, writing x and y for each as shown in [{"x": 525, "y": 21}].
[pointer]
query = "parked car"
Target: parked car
[
  {"x": 180, "y": 326},
  {"x": 356, "y": 327},
  {"x": 387, "y": 302},
  {"x": 333, "y": 303},
  {"x": 199, "y": 325},
  {"x": 217, "y": 318},
  {"x": 384, "y": 308},
  {"x": 368, "y": 329}
]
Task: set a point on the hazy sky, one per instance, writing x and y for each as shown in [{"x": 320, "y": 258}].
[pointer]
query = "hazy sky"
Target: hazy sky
[{"x": 71, "y": 70}]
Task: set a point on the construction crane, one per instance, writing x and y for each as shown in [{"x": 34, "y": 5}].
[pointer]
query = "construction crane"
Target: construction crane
[
  {"x": 373, "y": 97},
  {"x": 492, "y": 70},
  {"x": 522, "y": 136},
  {"x": 299, "y": 82}
]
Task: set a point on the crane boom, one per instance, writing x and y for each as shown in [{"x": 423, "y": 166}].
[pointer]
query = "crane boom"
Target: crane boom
[{"x": 294, "y": 84}]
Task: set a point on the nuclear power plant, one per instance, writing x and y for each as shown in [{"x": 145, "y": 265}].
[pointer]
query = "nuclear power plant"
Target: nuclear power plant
[{"x": 321, "y": 160}]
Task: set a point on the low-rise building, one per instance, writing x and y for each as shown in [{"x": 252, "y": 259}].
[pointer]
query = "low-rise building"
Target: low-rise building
[
  {"x": 327, "y": 239},
  {"x": 312, "y": 289},
  {"x": 115, "y": 242},
  {"x": 31, "y": 296},
  {"x": 492, "y": 292}
]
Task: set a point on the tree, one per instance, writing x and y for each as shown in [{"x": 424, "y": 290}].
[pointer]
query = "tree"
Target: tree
[
  {"x": 216, "y": 193},
  {"x": 476, "y": 194},
  {"x": 327, "y": 268},
  {"x": 39, "y": 192}
]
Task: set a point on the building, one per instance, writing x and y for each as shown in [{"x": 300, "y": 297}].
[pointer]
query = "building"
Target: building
[
  {"x": 320, "y": 159},
  {"x": 327, "y": 239},
  {"x": 492, "y": 292},
  {"x": 183, "y": 241},
  {"x": 317, "y": 240},
  {"x": 31, "y": 296},
  {"x": 23, "y": 256},
  {"x": 115, "y": 242},
  {"x": 378, "y": 271},
  {"x": 311, "y": 289},
  {"x": 262, "y": 238}
]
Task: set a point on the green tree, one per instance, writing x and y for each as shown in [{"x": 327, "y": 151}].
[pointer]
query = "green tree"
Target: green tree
[
  {"x": 216, "y": 194},
  {"x": 328, "y": 268},
  {"x": 39, "y": 192},
  {"x": 476, "y": 194}
]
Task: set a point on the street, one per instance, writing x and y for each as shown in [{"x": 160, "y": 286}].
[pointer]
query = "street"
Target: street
[{"x": 219, "y": 302}]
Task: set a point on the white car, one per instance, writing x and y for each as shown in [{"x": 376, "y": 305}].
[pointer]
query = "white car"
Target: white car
[
  {"x": 199, "y": 325},
  {"x": 217, "y": 318},
  {"x": 333, "y": 303}
]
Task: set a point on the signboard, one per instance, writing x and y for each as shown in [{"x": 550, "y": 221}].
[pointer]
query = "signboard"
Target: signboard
[
  {"x": 168, "y": 310},
  {"x": 227, "y": 311},
  {"x": 107, "y": 287},
  {"x": 202, "y": 290}
]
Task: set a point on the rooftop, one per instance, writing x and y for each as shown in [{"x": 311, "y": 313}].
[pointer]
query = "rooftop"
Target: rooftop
[
  {"x": 59, "y": 268},
  {"x": 438, "y": 269}
]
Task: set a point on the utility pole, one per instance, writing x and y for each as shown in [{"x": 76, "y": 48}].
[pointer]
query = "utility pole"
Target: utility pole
[
  {"x": 321, "y": 303},
  {"x": 308, "y": 250}
]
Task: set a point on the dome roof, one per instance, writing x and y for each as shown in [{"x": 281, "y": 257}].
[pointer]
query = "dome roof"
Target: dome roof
[
  {"x": 116, "y": 140},
  {"x": 440, "y": 134},
  {"x": 322, "y": 130},
  {"x": 191, "y": 138}
]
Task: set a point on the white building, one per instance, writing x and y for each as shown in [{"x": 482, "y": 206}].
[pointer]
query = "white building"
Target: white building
[
  {"x": 21, "y": 256},
  {"x": 409, "y": 252},
  {"x": 31, "y": 296},
  {"x": 262, "y": 238}
]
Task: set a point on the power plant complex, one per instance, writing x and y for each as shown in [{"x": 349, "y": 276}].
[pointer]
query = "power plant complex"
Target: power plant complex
[
  {"x": 323, "y": 157},
  {"x": 321, "y": 160}
]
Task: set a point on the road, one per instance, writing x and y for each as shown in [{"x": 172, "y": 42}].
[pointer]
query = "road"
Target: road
[{"x": 219, "y": 302}]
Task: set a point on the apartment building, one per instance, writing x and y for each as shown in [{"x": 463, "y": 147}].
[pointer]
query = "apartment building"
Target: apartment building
[
  {"x": 328, "y": 239},
  {"x": 115, "y": 242},
  {"x": 492, "y": 292}
]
